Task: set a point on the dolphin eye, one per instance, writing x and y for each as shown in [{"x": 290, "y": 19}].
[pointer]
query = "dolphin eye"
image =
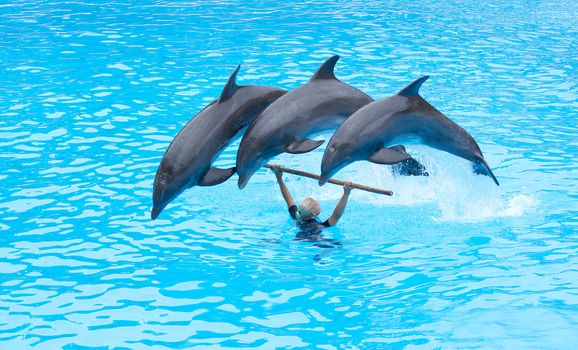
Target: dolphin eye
[{"x": 331, "y": 149}]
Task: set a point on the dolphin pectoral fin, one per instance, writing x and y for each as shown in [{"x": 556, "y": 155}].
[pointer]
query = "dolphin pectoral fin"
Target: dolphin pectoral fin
[
  {"x": 388, "y": 156},
  {"x": 398, "y": 148},
  {"x": 303, "y": 146},
  {"x": 216, "y": 176},
  {"x": 481, "y": 167}
]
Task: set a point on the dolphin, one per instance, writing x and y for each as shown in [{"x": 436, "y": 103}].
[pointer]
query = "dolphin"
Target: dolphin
[
  {"x": 320, "y": 105},
  {"x": 364, "y": 135},
  {"x": 187, "y": 161}
]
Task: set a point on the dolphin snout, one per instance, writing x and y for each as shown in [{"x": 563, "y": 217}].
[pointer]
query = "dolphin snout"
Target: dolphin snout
[
  {"x": 155, "y": 213},
  {"x": 323, "y": 179},
  {"x": 159, "y": 202},
  {"x": 244, "y": 164},
  {"x": 330, "y": 165},
  {"x": 327, "y": 169},
  {"x": 243, "y": 181},
  {"x": 247, "y": 168}
]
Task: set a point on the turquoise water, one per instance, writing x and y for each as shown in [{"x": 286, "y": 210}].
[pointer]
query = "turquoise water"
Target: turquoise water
[{"x": 92, "y": 94}]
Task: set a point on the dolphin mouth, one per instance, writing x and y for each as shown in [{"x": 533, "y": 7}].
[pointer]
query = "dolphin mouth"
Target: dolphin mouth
[
  {"x": 158, "y": 193},
  {"x": 155, "y": 213},
  {"x": 242, "y": 182},
  {"x": 323, "y": 180}
]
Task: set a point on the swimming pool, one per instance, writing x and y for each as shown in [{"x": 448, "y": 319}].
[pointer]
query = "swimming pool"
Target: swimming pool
[{"x": 92, "y": 93}]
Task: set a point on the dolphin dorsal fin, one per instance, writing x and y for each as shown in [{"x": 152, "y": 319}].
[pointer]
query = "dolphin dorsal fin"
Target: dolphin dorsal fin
[
  {"x": 231, "y": 86},
  {"x": 326, "y": 69},
  {"x": 413, "y": 88}
]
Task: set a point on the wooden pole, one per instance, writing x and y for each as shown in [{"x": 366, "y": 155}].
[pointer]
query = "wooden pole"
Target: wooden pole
[{"x": 332, "y": 181}]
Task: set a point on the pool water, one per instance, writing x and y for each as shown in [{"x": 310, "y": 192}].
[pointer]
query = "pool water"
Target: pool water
[{"x": 91, "y": 94}]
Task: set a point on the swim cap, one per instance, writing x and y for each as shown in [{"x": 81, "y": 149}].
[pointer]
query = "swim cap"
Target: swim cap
[{"x": 308, "y": 209}]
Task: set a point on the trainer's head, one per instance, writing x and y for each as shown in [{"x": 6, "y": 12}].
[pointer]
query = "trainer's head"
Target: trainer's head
[{"x": 308, "y": 209}]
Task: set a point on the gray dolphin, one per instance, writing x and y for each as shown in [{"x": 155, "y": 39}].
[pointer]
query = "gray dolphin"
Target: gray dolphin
[
  {"x": 187, "y": 161},
  {"x": 364, "y": 135},
  {"x": 320, "y": 105}
]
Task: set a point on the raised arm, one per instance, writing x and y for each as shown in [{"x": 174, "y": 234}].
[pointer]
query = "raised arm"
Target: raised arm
[
  {"x": 340, "y": 208},
  {"x": 284, "y": 189}
]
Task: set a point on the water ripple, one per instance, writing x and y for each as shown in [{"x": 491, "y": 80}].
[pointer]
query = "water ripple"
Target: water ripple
[{"x": 93, "y": 93}]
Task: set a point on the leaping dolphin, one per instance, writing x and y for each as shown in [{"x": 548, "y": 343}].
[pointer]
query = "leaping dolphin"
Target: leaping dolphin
[
  {"x": 320, "y": 105},
  {"x": 187, "y": 161},
  {"x": 364, "y": 135}
]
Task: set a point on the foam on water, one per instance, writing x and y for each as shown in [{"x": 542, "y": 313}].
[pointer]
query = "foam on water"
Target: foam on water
[{"x": 451, "y": 187}]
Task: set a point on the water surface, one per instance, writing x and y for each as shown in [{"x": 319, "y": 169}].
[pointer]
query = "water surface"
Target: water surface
[{"x": 93, "y": 92}]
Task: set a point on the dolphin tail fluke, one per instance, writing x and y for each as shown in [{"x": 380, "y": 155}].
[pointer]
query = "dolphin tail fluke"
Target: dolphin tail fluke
[
  {"x": 481, "y": 167},
  {"x": 216, "y": 176},
  {"x": 303, "y": 146},
  {"x": 387, "y": 156}
]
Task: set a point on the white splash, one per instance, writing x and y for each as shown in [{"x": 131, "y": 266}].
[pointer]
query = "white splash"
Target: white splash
[{"x": 459, "y": 194}]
